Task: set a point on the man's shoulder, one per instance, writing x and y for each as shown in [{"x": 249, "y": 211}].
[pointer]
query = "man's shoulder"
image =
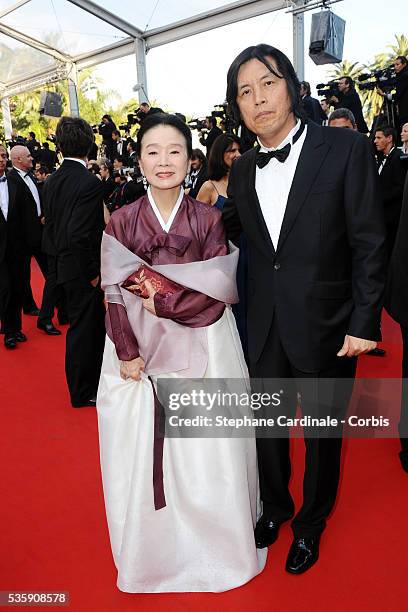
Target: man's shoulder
[{"x": 341, "y": 136}]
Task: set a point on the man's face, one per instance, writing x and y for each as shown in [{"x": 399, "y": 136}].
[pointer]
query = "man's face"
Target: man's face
[
  {"x": 342, "y": 122},
  {"x": 398, "y": 66},
  {"x": 324, "y": 105},
  {"x": 25, "y": 159},
  {"x": 263, "y": 100},
  {"x": 40, "y": 175},
  {"x": 3, "y": 160},
  {"x": 115, "y": 137},
  {"x": 117, "y": 164},
  {"x": 343, "y": 85},
  {"x": 104, "y": 172},
  {"x": 383, "y": 143},
  {"x": 195, "y": 163}
]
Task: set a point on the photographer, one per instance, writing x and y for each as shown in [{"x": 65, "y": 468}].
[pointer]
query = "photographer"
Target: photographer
[
  {"x": 349, "y": 98},
  {"x": 132, "y": 154},
  {"x": 207, "y": 140},
  {"x": 48, "y": 157},
  {"x": 120, "y": 146},
  {"x": 106, "y": 129},
  {"x": 145, "y": 110},
  {"x": 401, "y": 87},
  {"x": 311, "y": 106},
  {"x": 34, "y": 147}
]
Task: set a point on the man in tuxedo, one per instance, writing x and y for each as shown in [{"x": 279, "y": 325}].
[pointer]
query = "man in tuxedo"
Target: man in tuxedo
[
  {"x": 392, "y": 178},
  {"x": 311, "y": 106},
  {"x": 30, "y": 198},
  {"x": 73, "y": 205},
  {"x": 307, "y": 198},
  {"x": 12, "y": 258},
  {"x": 207, "y": 140},
  {"x": 342, "y": 118}
]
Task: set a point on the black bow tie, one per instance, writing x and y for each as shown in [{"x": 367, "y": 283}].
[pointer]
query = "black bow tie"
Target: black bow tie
[
  {"x": 3, "y": 179},
  {"x": 262, "y": 159}
]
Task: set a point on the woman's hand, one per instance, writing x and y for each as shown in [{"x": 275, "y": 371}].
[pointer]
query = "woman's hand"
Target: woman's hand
[
  {"x": 148, "y": 303},
  {"x": 132, "y": 369}
]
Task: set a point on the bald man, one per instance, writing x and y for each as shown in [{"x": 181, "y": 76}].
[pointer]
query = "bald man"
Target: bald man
[{"x": 30, "y": 200}]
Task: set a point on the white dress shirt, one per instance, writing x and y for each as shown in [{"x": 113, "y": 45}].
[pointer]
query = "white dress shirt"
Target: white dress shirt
[
  {"x": 273, "y": 183},
  {"x": 32, "y": 187},
  {"x": 4, "y": 197},
  {"x": 384, "y": 161}
]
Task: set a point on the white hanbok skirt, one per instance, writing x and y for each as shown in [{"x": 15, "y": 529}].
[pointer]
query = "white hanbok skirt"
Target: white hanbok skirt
[{"x": 203, "y": 539}]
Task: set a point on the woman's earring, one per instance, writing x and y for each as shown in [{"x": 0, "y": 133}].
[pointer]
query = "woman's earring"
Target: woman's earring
[{"x": 145, "y": 183}]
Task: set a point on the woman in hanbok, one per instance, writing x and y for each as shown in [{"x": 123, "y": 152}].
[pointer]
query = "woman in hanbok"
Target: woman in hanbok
[{"x": 180, "y": 511}]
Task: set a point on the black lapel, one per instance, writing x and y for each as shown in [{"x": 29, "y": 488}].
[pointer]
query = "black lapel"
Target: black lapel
[
  {"x": 255, "y": 207},
  {"x": 12, "y": 190},
  {"x": 313, "y": 153}
]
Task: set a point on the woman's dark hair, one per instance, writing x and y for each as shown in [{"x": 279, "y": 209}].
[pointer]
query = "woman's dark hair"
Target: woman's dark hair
[
  {"x": 108, "y": 167},
  {"x": 74, "y": 137},
  {"x": 285, "y": 71},
  {"x": 217, "y": 168},
  {"x": 165, "y": 119},
  {"x": 94, "y": 168},
  {"x": 200, "y": 155}
]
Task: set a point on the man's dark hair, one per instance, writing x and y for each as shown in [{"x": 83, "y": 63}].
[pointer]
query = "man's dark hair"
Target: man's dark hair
[
  {"x": 402, "y": 59},
  {"x": 46, "y": 145},
  {"x": 200, "y": 155},
  {"x": 343, "y": 113},
  {"x": 285, "y": 71},
  {"x": 117, "y": 133},
  {"x": 217, "y": 168},
  {"x": 74, "y": 137},
  {"x": 306, "y": 86},
  {"x": 43, "y": 169},
  {"x": 165, "y": 119},
  {"x": 349, "y": 81},
  {"x": 32, "y": 134},
  {"x": 118, "y": 158},
  {"x": 388, "y": 130},
  {"x": 132, "y": 145},
  {"x": 212, "y": 120},
  {"x": 144, "y": 104}
]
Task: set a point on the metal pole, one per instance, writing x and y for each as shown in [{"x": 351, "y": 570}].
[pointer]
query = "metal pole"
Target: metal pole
[
  {"x": 299, "y": 45},
  {"x": 140, "y": 52},
  {"x": 5, "y": 109},
  {"x": 72, "y": 91}
]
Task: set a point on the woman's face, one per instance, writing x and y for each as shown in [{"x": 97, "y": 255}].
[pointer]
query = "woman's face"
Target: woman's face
[
  {"x": 163, "y": 157},
  {"x": 231, "y": 154},
  {"x": 404, "y": 133}
]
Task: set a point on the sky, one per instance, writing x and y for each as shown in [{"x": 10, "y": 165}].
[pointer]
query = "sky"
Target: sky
[{"x": 189, "y": 76}]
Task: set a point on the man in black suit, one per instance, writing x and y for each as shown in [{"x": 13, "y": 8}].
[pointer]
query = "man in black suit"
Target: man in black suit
[
  {"x": 392, "y": 173},
  {"x": 349, "y": 98},
  {"x": 207, "y": 139},
  {"x": 48, "y": 158},
  {"x": 73, "y": 231},
  {"x": 307, "y": 197},
  {"x": 396, "y": 302},
  {"x": 12, "y": 257},
  {"x": 30, "y": 198},
  {"x": 311, "y": 106}
]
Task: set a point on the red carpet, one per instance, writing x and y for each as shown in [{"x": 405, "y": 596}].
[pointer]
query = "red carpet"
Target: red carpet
[{"x": 53, "y": 529}]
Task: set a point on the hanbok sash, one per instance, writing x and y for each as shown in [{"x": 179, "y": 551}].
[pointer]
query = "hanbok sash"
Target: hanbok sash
[{"x": 164, "y": 345}]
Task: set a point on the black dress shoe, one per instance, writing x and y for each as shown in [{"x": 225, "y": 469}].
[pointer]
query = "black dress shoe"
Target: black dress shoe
[
  {"x": 266, "y": 532},
  {"x": 377, "y": 352},
  {"x": 20, "y": 337},
  {"x": 303, "y": 553},
  {"x": 91, "y": 402},
  {"x": 10, "y": 341},
  {"x": 49, "y": 329},
  {"x": 34, "y": 312},
  {"x": 404, "y": 460}
]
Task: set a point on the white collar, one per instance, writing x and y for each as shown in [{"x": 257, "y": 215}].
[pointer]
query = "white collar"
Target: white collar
[
  {"x": 165, "y": 226},
  {"x": 286, "y": 140},
  {"x": 80, "y": 161},
  {"x": 22, "y": 173}
]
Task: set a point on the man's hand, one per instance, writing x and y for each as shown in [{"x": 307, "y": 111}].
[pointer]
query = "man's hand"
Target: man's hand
[
  {"x": 148, "y": 303},
  {"x": 334, "y": 99},
  {"x": 355, "y": 346},
  {"x": 132, "y": 369},
  {"x": 95, "y": 281}
]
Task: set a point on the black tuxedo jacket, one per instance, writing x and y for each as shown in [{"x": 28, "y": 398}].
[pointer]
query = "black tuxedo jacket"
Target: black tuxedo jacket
[
  {"x": 313, "y": 110},
  {"x": 12, "y": 237},
  {"x": 392, "y": 180},
  {"x": 396, "y": 301},
  {"x": 31, "y": 228},
  {"x": 74, "y": 222},
  {"x": 326, "y": 279}
]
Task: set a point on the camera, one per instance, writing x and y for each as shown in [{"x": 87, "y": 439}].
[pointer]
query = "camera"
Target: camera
[
  {"x": 327, "y": 90},
  {"x": 198, "y": 124},
  {"x": 385, "y": 79}
]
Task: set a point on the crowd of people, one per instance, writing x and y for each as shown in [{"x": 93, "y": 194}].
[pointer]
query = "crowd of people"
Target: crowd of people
[{"x": 131, "y": 247}]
